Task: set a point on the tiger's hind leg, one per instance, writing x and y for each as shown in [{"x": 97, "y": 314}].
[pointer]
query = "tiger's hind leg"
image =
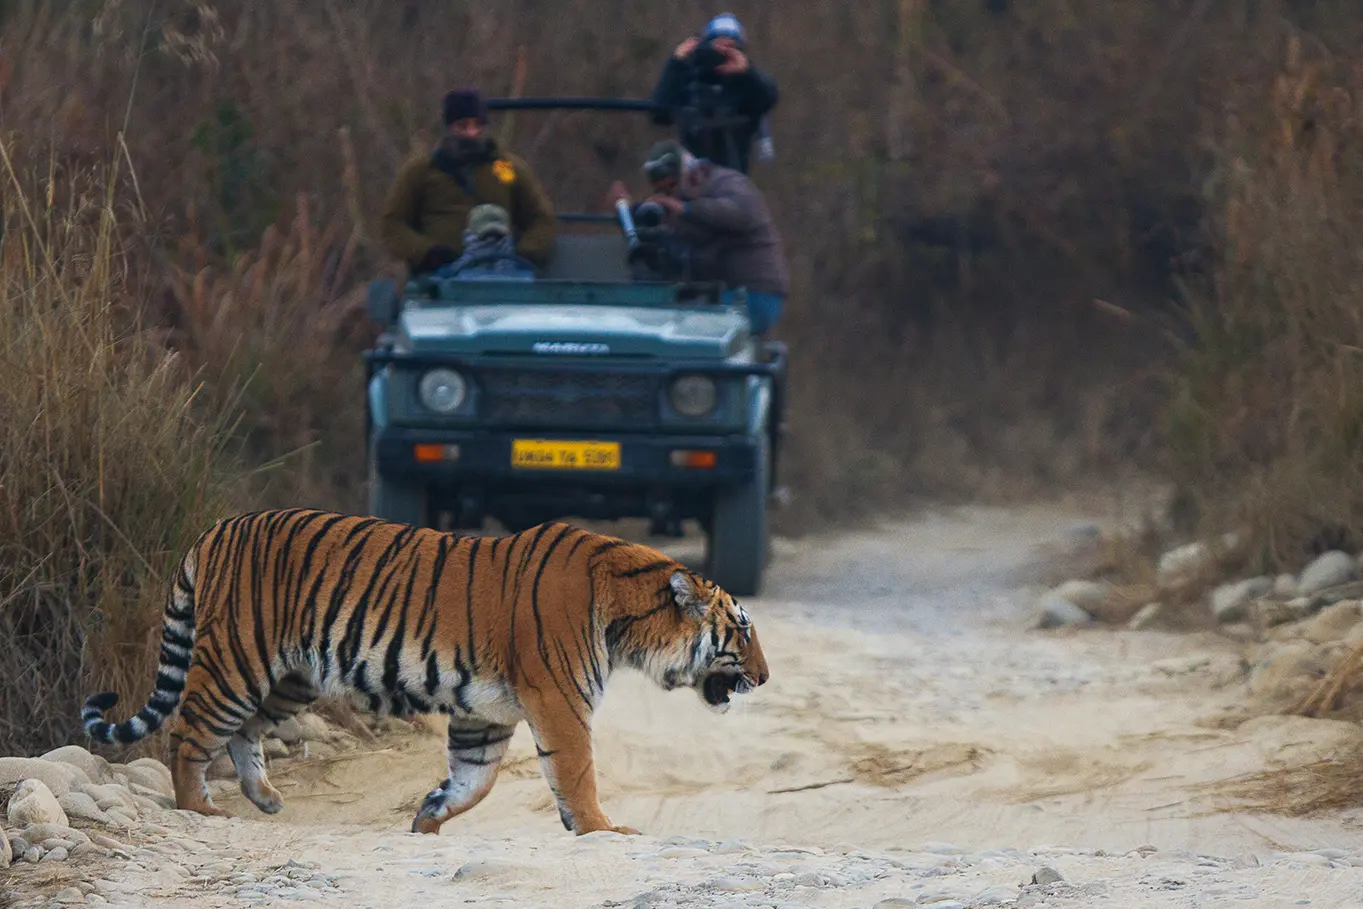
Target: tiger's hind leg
[
  {"x": 289, "y": 696},
  {"x": 210, "y": 716},
  {"x": 474, "y": 751}
]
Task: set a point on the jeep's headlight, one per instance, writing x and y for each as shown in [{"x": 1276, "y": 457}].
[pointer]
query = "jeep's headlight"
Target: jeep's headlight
[
  {"x": 442, "y": 390},
  {"x": 693, "y": 396}
]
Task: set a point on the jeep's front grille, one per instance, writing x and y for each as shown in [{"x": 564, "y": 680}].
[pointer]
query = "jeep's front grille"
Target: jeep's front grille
[{"x": 549, "y": 398}]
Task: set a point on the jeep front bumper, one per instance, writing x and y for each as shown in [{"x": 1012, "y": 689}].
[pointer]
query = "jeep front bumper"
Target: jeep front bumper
[{"x": 538, "y": 458}]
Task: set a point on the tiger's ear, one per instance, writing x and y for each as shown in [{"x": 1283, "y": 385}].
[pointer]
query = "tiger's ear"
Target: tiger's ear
[{"x": 692, "y": 604}]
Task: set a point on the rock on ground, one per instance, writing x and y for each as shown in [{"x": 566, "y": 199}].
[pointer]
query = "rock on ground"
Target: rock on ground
[
  {"x": 1087, "y": 595},
  {"x": 1328, "y": 570},
  {"x": 33, "y": 803},
  {"x": 1187, "y": 560},
  {"x": 152, "y": 774},
  {"x": 1057, "y": 612},
  {"x": 83, "y": 806},
  {"x": 92, "y": 765},
  {"x": 60, "y": 778},
  {"x": 1229, "y": 601}
]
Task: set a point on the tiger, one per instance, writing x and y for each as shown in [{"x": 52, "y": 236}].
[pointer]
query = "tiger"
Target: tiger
[{"x": 270, "y": 610}]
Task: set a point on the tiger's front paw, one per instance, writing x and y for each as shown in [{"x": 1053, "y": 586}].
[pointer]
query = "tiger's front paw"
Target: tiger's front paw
[{"x": 613, "y": 828}]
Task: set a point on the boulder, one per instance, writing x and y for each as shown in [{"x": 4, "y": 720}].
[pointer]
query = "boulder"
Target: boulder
[
  {"x": 1330, "y": 569},
  {"x": 92, "y": 765},
  {"x": 33, "y": 803},
  {"x": 60, "y": 778}
]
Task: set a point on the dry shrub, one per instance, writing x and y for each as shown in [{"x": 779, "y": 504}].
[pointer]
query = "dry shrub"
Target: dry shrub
[
  {"x": 1266, "y": 414},
  {"x": 110, "y": 465},
  {"x": 1320, "y": 787},
  {"x": 277, "y": 333}
]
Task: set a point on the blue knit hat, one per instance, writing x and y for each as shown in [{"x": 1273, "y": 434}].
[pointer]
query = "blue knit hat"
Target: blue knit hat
[{"x": 725, "y": 25}]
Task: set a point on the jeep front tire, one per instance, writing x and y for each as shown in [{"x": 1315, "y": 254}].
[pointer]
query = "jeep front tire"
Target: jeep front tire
[{"x": 736, "y": 544}]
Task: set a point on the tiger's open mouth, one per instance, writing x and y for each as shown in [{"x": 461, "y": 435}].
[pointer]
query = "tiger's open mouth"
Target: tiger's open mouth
[{"x": 716, "y": 687}]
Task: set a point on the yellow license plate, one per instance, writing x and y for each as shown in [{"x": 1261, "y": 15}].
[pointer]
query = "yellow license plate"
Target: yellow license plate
[{"x": 543, "y": 454}]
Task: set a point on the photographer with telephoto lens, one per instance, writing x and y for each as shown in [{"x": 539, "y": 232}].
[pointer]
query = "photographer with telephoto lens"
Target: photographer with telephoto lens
[
  {"x": 721, "y": 219},
  {"x": 717, "y": 98}
]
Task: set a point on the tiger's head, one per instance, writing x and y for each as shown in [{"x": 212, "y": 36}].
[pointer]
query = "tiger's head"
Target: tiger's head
[{"x": 703, "y": 640}]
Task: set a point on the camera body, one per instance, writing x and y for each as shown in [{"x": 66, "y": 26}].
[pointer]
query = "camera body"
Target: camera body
[
  {"x": 649, "y": 215},
  {"x": 707, "y": 58}
]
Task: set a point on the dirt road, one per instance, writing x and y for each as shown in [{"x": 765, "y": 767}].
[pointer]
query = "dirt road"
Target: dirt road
[{"x": 918, "y": 745}]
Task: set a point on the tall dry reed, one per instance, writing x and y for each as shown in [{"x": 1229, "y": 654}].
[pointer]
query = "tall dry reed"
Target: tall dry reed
[
  {"x": 1266, "y": 414},
  {"x": 110, "y": 462}
]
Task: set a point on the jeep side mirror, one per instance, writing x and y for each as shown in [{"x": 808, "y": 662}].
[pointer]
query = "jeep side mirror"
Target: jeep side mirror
[{"x": 382, "y": 301}]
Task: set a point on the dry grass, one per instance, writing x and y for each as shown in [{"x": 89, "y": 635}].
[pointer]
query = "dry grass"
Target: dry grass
[
  {"x": 1321, "y": 787},
  {"x": 110, "y": 465},
  {"x": 1266, "y": 414}
]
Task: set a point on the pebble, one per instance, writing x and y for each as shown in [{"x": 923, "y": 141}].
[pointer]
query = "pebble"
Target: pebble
[
  {"x": 736, "y": 885},
  {"x": 69, "y": 895},
  {"x": 681, "y": 852},
  {"x": 33, "y": 855},
  {"x": 995, "y": 896},
  {"x": 1047, "y": 875}
]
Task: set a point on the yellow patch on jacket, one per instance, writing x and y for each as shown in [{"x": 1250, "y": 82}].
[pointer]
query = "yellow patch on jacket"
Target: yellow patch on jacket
[{"x": 504, "y": 171}]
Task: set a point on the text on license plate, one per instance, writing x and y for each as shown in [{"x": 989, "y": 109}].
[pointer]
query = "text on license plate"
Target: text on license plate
[{"x": 547, "y": 454}]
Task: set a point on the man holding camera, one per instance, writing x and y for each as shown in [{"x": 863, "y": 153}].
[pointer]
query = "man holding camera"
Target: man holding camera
[
  {"x": 721, "y": 217},
  {"x": 711, "y": 90}
]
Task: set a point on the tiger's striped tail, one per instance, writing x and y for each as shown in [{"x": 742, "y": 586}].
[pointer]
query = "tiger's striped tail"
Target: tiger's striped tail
[{"x": 177, "y": 645}]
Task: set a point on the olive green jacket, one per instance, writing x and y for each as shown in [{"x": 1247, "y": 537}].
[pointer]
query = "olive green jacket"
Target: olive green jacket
[{"x": 428, "y": 207}]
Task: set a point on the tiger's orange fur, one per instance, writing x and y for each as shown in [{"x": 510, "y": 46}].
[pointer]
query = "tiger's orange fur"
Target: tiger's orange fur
[{"x": 271, "y": 610}]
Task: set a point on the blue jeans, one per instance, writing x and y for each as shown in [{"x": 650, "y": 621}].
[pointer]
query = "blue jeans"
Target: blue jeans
[{"x": 763, "y": 309}]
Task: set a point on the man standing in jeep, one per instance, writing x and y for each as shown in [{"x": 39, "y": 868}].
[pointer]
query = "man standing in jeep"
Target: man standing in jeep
[
  {"x": 428, "y": 206},
  {"x": 710, "y": 89}
]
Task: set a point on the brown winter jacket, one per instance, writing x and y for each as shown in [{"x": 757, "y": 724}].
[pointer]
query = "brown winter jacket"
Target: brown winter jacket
[
  {"x": 428, "y": 207},
  {"x": 731, "y": 232}
]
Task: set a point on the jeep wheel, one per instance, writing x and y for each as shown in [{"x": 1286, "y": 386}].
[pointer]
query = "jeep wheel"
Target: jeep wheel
[
  {"x": 736, "y": 545},
  {"x": 406, "y": 503}
]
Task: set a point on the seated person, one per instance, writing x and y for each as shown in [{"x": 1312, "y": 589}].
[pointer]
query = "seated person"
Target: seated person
[
  {"x": 489, "y": 250},
  {"x": 428, "y": 206},
  {"x": 723, "y": 219}
]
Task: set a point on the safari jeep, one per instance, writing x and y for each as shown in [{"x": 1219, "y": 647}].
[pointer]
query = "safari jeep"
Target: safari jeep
[{"x": 585, "y": 392}]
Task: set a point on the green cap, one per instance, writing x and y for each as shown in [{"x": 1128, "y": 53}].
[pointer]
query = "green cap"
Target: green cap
[
  {"x": 488, "y": 218},
  {"x": 664, "y": 160}
]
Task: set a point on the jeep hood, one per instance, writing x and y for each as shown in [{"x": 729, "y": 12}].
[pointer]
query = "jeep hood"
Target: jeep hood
[{"x": 608, "y": 330}]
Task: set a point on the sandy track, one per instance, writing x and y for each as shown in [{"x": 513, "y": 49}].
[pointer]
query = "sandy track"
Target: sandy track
[{"x": 917, "y": 744}]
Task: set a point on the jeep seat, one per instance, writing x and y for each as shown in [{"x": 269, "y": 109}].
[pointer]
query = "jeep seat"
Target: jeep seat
[{"x": 588, "y": 257}]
